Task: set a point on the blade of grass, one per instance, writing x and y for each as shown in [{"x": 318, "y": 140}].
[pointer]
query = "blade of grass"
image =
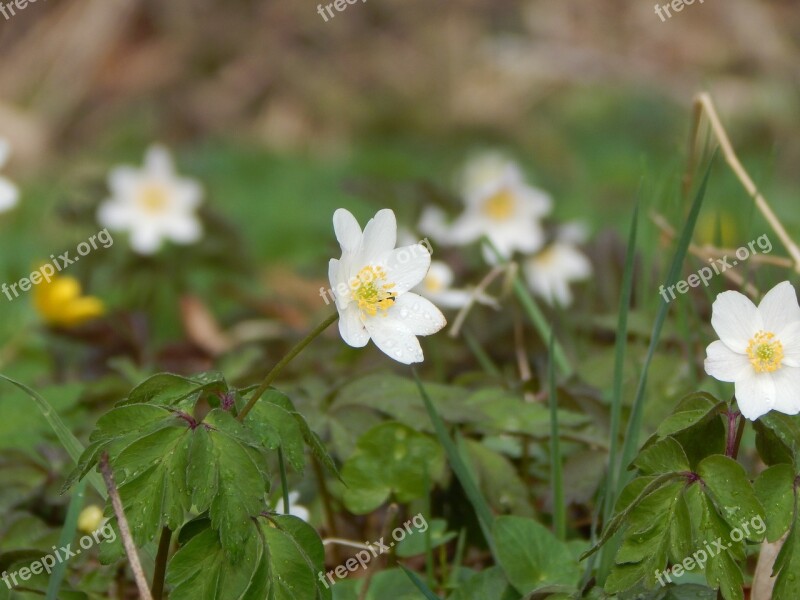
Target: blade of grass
[
  {"x": 70, "y": 443},
  {"x": 66, "y": 537},
  {"x": 479, "y": 504},
  {"x": 426, "y": 591},
  {"x": 284, "y": 481},
  {"x": 635, "y": 422},
  {"x": 556, "y": 478},
  {"x": 535, "y": 315},
  {"x": 480, "y": 354},
  {"x": 619, "y": 368}
]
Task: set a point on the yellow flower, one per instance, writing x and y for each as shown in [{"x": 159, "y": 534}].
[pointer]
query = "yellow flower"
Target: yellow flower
[
  {"x": 90, "y": 519},
  {"x": 60, "y": 302}
]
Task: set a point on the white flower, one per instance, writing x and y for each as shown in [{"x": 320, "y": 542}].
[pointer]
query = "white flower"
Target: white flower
[
  {"x": 550, "y": 272},
  {"x": 758, "y": 349},
  {"x": 436, "y": 287},
  {"x": 498, "y": 204},
  {"x": 9, "y": 193},
  {"x": 153, "y": 203},
  {"x": 295, "y": 509},
  {"x": 371, "y": 283}
]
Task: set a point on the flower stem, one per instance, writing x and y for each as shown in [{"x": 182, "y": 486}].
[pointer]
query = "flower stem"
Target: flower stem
[
  {"x": 161, "y": 563},
  {"x": 734, "y": 434},
  {"x": 273, "y": 374}
]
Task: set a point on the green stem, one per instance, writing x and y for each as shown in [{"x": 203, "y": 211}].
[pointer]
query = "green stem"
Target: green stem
[{"x": 276, "y": 370}]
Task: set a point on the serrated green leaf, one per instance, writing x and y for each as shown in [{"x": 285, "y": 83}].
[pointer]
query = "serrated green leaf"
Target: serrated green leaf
[
  {"x": 390, "y": 460},
  {"x": 664, "y": 456},
  {"x": 775, "y": 489},
  {"x": 167, "y": 389},
  {"x": 531, "y": 556},
  {"x": 727, "y": 485}
]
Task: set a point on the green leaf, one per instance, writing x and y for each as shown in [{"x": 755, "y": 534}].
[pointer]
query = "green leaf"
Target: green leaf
[
  {"x": 390, "y": 460},
  {"x": 775, "y": 489},
  {"x": 787, "y": 564},
  {"x": 490, "y": 583},
  {"x": 414, "y": 545},
  {"x": 693, "y": 410},
  {"x": 664, "y": 456},
  {"x": 531, "y": 556},
  {"x": 726, "y": 483},
  {"x": 280, "y": 560},
  {"x": 778, "y": 438},
  {"x": 166, "y": 389}
]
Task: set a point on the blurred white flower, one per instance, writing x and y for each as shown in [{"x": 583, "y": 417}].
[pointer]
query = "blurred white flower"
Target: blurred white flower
[
  {"x": 437, "y": 287},
  {"x": 295, "y": 509},
  {"x": 9, "y": 193},
  {"x": 153, "y": 203},
  {"x": 758, "y": 350},
  {"x": 371, "y": 284},
  {"x": 498, "y": 204},
  {"x": 550, "y": 272}
]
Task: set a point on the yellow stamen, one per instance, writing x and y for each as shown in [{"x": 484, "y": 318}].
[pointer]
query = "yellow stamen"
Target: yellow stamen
[
  {"x": 153, "y": 198},
  {"x": 371, "y": 291},
  {"x": 765, "y": 352},
  {"x": 500, "y": 206}
]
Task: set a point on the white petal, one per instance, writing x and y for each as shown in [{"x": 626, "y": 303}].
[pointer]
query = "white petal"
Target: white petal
[
  {"x": 755, "y": 394},
  {"x": 724, "y": 364},
  {"x": 419, "y": 314},
  {"x": 467, "y": 228},
  {"x": 188, "y": 194},
  {"x": 790, "y": 340},
  {"x": 406, "y": 266},
  {"x": 440, "y": 275},
  {"x": 182, "y": 229},
  {"x": 394, "y": 339},
  {"x": 146, "y": 239},
  {"x": 787, "y": 390},
  {"x": 351, "y": 327},
  {"x": 123, "y": 182},
  {"x": 115, "y": 215},
  {"x": 536, "y": 202},
  {"x": 158, "y": 161},
  {"x": 348, "y": 232},
  {"x": 779, "y": 308},
  {"x": 433, "y": 222},
  {"x": 9, "y": 194},
  {"x": 380, "y": 236},
  {"x": 451, "y": 298},
  {"x": 735, "y": 319}
]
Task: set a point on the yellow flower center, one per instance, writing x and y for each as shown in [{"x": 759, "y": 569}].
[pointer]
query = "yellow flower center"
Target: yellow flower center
[
  {"x": 371, "y": 291},
  {"x": 765, "y": 352},
  {"x": 153, "y": 198},
  {"x": 500, "y": 206}
]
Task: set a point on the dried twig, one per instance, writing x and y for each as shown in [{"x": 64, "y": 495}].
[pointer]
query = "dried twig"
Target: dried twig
[
  {"x": 479, "y": 290},
  {"x": 704, "y": 105},
  {"x": 124, "y": 530}
]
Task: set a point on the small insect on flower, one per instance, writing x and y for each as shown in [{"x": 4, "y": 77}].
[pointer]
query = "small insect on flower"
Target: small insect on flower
[
  {"x": 758, "y": 350},
  {"x": 499, "y": 204},
  {"x": 153, "y": 203},
  {"x": 371, "y": 283},
  {"x": 60, "y": 302},
  {"x": 9, "y": 193}
]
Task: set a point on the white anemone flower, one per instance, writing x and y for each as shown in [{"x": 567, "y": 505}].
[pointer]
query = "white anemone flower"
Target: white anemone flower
[
  {"x": 498, "y": 204},
  {"x": 9, "y": 192},
  {"x": 551, "y": 271},
  {"x": 371, "y": 284},
  {"x": 295, "y": 509},
  {"x": 758, "y": 350},
  {"x": 153, "y": 203},
  {"x": 437, "y": 287}
]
